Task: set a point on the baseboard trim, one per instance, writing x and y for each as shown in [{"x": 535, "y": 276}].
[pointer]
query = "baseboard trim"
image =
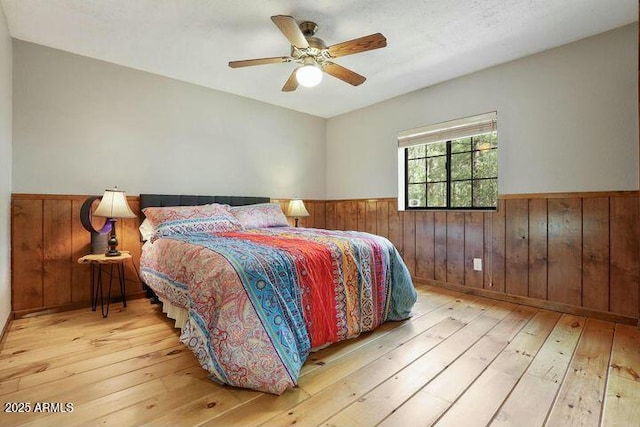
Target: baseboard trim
[
  {"x": 534, "y": 302},
  {"x": 3, "y": 334},
  {"x": 40, "y": 311}
]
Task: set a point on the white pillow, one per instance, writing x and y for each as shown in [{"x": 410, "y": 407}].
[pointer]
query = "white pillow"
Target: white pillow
[
  {"x": 146, "y": 229},
  {"x": 260, "y": 215}
]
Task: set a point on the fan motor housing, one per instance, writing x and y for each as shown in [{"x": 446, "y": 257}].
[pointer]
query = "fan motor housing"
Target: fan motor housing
[
  {"x": 308, "y": 28},
  {"x": 316, "y": 46},
  {"x": 316, "y": 43}
]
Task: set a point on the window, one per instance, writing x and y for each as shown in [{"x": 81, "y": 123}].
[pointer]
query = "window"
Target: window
[{"x": 452, "y": 165}]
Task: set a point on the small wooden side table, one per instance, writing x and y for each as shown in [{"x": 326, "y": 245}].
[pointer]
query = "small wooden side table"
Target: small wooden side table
[{"x": 97, "y": 261}]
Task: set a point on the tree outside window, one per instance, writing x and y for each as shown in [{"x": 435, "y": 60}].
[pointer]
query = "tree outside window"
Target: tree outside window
[{"x": 457, "y": 173}]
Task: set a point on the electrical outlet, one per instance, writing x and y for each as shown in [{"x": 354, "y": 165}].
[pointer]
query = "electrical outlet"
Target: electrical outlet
[{"x": 477, "y": 264}]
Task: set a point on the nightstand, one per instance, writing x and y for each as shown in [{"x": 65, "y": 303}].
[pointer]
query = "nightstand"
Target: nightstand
[{"x": 98, "y": 262}]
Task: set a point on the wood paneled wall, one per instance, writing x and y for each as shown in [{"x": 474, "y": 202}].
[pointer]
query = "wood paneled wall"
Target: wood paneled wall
[
  {"x": 47, "y": 239},
  {"x": 580, "y": 249}
]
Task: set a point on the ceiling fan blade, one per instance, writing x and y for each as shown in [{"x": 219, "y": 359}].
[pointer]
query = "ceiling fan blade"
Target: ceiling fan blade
[
  {"x": 291, "y": 31},
  {"x": 292, "y": 82},
  {"x": 362, "y": 44},
  {"x": 259, "y": 61},
  {"x": 344, "y": 74}
]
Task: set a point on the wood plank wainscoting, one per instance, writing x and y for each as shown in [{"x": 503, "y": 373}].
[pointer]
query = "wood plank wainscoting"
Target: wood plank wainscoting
[
  {"x": 47, "y": 239},
  {"x": 575, "y": 252},
  {"x": 559, "y": 251}
]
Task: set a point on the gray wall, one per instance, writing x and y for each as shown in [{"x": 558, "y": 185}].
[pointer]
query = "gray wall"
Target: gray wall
[
  {"x": 82, "y": 125},
  {"x": 567, "y": 121},
  {"x": 5, "y": 169}
]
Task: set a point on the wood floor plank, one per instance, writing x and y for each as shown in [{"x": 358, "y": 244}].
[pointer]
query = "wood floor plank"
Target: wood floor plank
[
  {"x": 581, "y": 396},
  {"x": 533, "y": 396},
  {"x": 8, "y": 386},
  {"x": 86, "y": 391},
  {"x": 433, "y": 400},
  {"x": 461, "y": 309},
  {"x": 78, "y": 334},
  {"x": 184, "y": 406},
  {"x": 149, "y": 409},
  {"x": 138, "y": 315},
  {"x": 377, "y": 404},
  {"x": 200, "y": 410},
  {"x": 262, "y": 409},
  {"x": 460, "y": 359},
  {"x": 105, "y": 405},
  {"x": 23, "y": 368},
  {"x": 486, "y": 394},
  {"x": 146, "y": 352},
  {"x": 415, "y": 333},
  {"x": 335, "y": 351},
  {"x": 353, "y": 386},
  {"x": 91, "y": 322},
  {"x": 105, "y": 373},
  {"x": 30, "y": 361},
  {"x": 622, "y": 401}
]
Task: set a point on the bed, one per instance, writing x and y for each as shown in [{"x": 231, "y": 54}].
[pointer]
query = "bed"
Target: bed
[{"x": 253, "y": 301}]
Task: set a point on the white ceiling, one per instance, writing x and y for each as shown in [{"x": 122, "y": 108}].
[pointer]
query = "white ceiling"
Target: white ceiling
[{"x": 429, "y": 41}]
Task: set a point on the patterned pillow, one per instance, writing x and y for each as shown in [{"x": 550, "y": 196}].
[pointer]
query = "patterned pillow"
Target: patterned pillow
[
  {"x": 173, "y": 220},
  {"x": 260, "y": 215}
]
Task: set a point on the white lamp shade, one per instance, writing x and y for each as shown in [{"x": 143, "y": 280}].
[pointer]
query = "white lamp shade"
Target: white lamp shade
[
  {"x": 309, "y": 75},
  {"x": 296, "y": 209},
  {"x": 114, "y": 205}
]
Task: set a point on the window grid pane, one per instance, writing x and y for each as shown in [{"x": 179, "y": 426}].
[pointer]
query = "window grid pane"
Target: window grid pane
[
  {"x": 456, "y": 174},
  {"x": 417, "y": 195},
  {"x": 437, "y": 169},
  {"x": 437, "y": 195},
  {"x": 416, "y": 170}
]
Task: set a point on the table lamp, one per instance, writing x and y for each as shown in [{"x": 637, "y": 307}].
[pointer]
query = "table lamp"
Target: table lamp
[
  {"x": 113, "y": 206},
  {"x": 297, "y": 210}
]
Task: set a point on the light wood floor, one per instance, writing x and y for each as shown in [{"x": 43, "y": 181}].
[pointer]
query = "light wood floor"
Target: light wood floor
[{"x": 460, "y": 361}]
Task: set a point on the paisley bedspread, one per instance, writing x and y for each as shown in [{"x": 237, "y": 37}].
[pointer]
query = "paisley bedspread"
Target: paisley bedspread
[{"x": 260, "y": 300}]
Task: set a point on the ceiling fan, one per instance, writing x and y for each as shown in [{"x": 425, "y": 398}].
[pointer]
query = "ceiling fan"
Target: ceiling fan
[{"x": 313, "y": 55}]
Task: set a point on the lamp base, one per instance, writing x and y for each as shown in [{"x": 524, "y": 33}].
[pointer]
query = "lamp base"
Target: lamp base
[
  {"x": 113, "y": 241},
  {"x": 112, "y": 252}
]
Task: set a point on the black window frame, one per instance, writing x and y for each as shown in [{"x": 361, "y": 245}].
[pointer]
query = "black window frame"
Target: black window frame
[{"x": 448, "y": 181}]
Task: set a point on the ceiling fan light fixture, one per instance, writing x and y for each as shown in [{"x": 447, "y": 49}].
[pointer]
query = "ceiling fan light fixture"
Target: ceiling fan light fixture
[
  {"x": 309, "y": 75},
  {"x": 313, "y": 55}
]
